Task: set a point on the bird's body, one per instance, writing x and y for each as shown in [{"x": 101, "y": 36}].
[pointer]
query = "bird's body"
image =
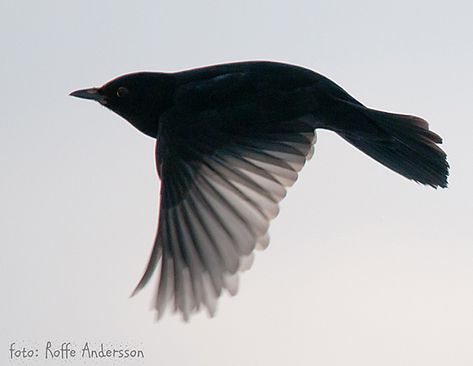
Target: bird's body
[
  {"x": 230, "y": 139},
  {"x": 246, "y": 85}
]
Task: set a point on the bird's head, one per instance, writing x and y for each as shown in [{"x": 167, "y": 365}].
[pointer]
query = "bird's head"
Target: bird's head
[{"x": 140, "y": 98}]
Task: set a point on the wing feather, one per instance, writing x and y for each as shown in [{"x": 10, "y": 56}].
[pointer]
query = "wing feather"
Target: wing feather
[{"x": 216, "y": 205}]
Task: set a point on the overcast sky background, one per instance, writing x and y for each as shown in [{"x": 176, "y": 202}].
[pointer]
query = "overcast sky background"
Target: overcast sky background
[{"x": 364, "y": 266}]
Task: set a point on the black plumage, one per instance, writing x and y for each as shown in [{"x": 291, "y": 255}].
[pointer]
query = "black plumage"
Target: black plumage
[{"x": 230, "y": 139}]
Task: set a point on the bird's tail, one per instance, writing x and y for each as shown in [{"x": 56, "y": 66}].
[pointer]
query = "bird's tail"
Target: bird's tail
[{"x": 402, "y": 143}]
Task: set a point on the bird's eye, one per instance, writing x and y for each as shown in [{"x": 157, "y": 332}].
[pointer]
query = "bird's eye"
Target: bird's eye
[{"x": 122, "y": 91}]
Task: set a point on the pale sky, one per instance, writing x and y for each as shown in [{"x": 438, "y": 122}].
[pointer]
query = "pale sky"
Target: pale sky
[{"x": 364, "y": 267}]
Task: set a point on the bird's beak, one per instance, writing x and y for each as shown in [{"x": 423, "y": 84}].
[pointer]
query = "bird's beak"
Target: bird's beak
[{"x": 92, "y": 93}]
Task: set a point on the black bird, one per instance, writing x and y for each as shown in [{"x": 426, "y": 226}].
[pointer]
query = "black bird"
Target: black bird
[{"x": 229, "y": 140}]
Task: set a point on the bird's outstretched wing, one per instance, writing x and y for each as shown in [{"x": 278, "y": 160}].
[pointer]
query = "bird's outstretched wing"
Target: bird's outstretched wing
[{"x": 216, "y": 205}]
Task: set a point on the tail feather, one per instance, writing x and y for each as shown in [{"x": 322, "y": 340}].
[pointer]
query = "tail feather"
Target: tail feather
[{"x": 402, "y": 143}]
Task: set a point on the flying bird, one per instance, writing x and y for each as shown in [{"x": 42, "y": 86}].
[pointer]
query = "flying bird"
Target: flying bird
[{"x": 230, "y": 139}]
